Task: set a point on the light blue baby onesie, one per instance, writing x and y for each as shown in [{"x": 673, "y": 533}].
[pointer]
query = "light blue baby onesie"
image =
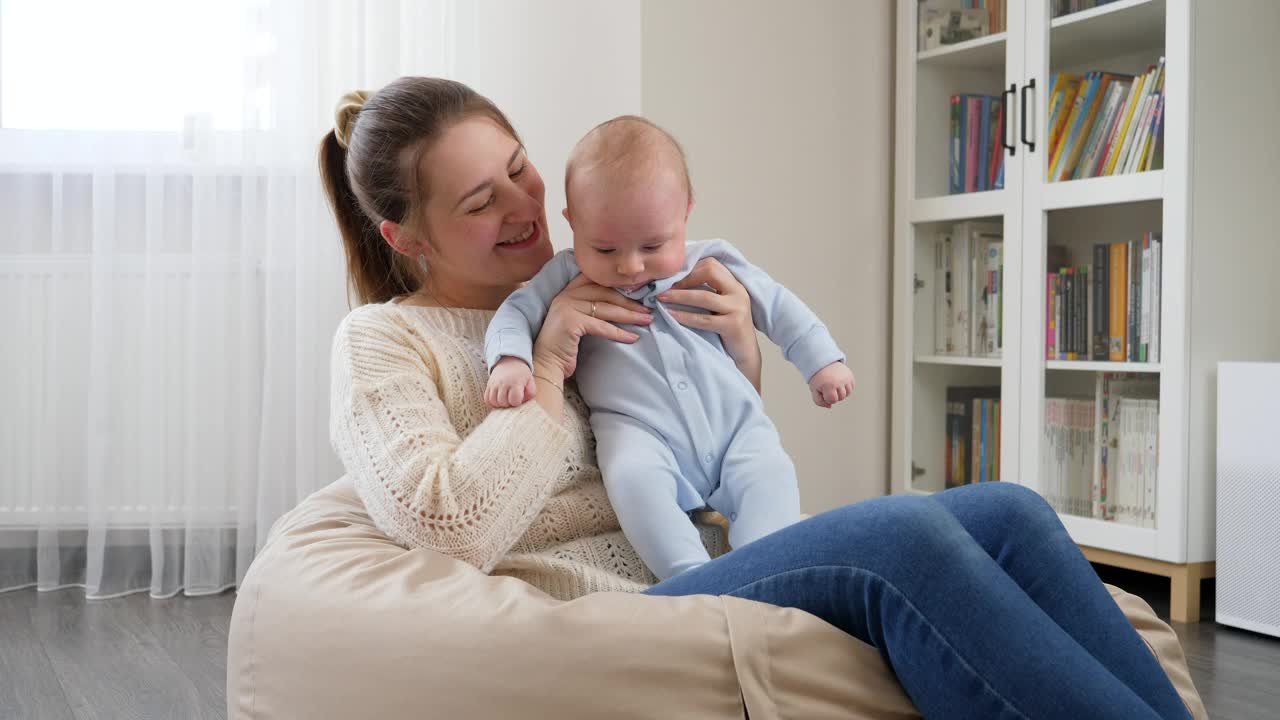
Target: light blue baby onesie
[{"x": 678, "y": 427}]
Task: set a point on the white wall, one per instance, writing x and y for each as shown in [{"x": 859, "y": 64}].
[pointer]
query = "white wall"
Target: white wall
[
  {"x": 557, "y": 68},
  {"x": 785, "y": 111}
]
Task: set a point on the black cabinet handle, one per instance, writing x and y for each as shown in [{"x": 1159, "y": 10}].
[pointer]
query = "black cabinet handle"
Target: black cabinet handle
[
  {"x": 1006, "y": 99},
  {"x": 1031, "y": 85}
]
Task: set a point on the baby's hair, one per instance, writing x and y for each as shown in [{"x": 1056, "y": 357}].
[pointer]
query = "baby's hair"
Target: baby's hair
[{"x": 629, "y": 145}]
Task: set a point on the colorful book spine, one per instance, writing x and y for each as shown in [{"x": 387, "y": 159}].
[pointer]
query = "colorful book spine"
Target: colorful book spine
[
  {"x": 1080, "y": 109},
  {"x": 1101, "y": 317},
  {"x": 1126, "y": 129},
  {"x": 1144, "y": 321},
  {"x": 1118, "y": 303},
  {"x": 1157, "y": 253},
  {"x": 1050, "y": 351},
  {"x": 1135, "y": 299},
  {"x": 973, "y": 126},
  {"x": 1065, "y": 89},
  {"x": 1106, "y": 118},
  {"x": 1117, "y": 128},
  {"x": 957, "y": 130},
  {"x": 1153, "y": 140},
  {"x": 994, "y": 150},
  {"x": 984, "y": 133}
]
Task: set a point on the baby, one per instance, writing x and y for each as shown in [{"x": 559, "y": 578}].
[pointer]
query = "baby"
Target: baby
[{"x": 677, "y": 426}]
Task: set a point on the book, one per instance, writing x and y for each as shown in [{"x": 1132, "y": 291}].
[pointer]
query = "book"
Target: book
[
  {"x": 1059, "y": 306},
  {"x": 1081, "y": 132},
  {"x": 983, "y": 148},
  {"x": 1116, "y": 484},
  {"x": 989, "y": 300},
  {"x": 976, "y": 157},
  {"x": 959, "y": 466},
  {"x": 1136, "y": 451},
  {"x": 1135, "y": 299},
  {"x": 1151, "y": 454},
  {"x": 979, "y": 455},
  {"x": 995, "y": 147},
  {"x": 1068, "y": 314},
  {"x": 973, "y": 130},
  {"x": 1115, "y": 95},
  {"x": 1144, "y": 320},
  {"x": 1133, "y": 151},
  {"x": 1142, "y": 119},
  {"x": 1080, "y": 107},
  {"x": 957, "y": 158},
  {"x": 1118, "y": 302},
  {"x": 941, "y": 293},
  {"x": 1145, "y": 127},
  {"x": 1050, "y": 348},
  {"x": 1084, "y": 328},
  {"x": 1100, "y": 314},
  {"x": 1145, "y": 163},
  {"x": 1068, "y": 455},
  {"x": 1155, "y": 298},
  {"x": 1157, "y": 152},
  {"x": 1062, "y": 101},
  {"x": 973, "y": 318},
  {"x": 1136, "y": 94},
  {"x": 1116, "y": 131}
]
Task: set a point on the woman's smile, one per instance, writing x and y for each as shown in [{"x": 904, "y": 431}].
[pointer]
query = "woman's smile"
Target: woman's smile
[{"x": 522, "y": 240}]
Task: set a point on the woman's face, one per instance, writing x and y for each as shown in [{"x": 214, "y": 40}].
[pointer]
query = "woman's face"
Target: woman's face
[{"x": 486, "y": 224}]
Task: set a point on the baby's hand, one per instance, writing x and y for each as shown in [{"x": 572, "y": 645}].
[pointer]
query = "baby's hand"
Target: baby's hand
[
  {"x": 510, "y": 384},
  {"x": 831, "y": 384}
]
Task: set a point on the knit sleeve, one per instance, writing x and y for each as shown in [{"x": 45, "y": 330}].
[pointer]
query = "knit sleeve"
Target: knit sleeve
[{"x": 423, "y": 484}]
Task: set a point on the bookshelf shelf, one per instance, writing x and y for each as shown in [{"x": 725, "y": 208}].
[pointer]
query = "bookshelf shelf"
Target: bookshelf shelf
[
  {"x": 1216, "y": 266},
  {"x": 984, "y": 52},
  {"x": 1110, "y": 190},
  {"x": 959, "y": 360},
  {"x": 1109, "y": 535},
  {"x": 1092, "y": 366},
  {"x": 1111, "y": 30},
  {"x": 962, "y": 206}
]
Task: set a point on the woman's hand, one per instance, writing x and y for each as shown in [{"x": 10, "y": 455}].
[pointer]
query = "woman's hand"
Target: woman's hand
[
  {"x": 729, "y": 308},
  {"x": 583, "y": 308}
]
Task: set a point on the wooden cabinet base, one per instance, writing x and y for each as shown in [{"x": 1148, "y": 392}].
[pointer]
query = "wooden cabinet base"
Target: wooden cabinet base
[{"x": 1184, "y": 578}]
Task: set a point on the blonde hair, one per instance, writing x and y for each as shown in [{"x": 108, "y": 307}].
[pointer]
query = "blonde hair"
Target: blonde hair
[{"x": 370, "y": 162}]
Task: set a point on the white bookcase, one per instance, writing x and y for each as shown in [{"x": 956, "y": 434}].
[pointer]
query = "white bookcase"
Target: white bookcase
[{"x": 1216, "y": 203}]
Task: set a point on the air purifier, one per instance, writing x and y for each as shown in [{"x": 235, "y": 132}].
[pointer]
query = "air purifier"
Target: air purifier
[{"x": 1248, "y": 553}]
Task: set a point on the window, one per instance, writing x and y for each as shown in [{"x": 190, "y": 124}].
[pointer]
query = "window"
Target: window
[{"x": 125, "y": 65}]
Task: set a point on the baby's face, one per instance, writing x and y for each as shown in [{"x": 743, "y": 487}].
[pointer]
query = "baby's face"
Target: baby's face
[{"x": 626, "y": 237}]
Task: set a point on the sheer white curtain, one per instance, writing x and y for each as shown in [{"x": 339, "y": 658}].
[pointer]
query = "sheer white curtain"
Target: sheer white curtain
[{"x": 170, "y": 276}]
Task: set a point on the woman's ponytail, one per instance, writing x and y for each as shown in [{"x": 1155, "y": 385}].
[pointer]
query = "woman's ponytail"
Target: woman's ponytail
[{"x": 374, "y": 269}]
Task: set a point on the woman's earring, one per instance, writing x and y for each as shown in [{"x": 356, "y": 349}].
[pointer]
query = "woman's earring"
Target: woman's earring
[{"x": 422, "y": 263}]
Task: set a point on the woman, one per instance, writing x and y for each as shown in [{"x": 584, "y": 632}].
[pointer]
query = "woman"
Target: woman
[{"x": 976, "y": 597}]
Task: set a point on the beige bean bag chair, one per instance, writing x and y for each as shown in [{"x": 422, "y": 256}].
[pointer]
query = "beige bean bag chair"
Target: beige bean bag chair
[{"x": 334, "y": 620}]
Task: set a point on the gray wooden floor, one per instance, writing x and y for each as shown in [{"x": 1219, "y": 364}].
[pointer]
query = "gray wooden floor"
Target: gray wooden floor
[{"x": 133, "y": 657}]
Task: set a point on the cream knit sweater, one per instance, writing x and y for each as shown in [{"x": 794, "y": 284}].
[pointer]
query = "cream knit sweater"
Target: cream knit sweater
[{"x": 512, "y": 492}]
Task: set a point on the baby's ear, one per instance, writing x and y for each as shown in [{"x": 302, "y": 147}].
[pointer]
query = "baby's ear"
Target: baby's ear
[{"x": 688, "y": 211}]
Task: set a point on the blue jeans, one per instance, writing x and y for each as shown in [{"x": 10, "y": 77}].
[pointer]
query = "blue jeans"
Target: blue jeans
[{"x": 976, "y": 597}]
